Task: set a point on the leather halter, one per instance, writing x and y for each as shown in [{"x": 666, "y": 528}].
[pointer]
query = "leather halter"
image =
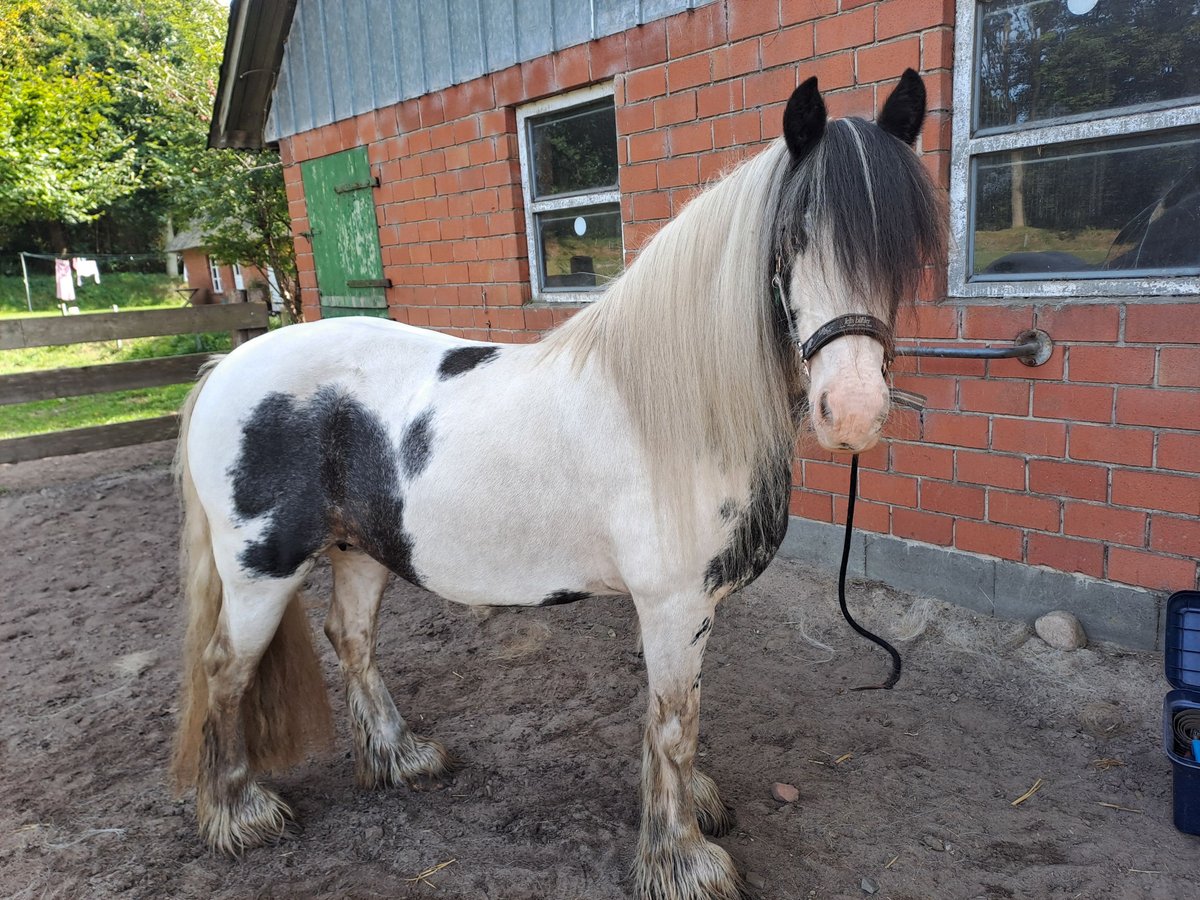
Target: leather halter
[{"x": 841, "y": 326}]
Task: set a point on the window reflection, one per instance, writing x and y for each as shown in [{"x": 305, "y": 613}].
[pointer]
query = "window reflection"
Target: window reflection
[
  {"x": 1049, "y": 59},
  {"x": 1090, "y": 209}
]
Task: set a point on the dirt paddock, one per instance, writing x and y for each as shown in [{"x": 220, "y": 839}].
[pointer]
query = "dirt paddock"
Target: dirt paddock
[{"x": 912, "y": 790}]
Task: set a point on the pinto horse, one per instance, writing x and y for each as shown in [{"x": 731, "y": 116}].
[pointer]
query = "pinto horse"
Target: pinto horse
[{"x": 642, "y": 448}]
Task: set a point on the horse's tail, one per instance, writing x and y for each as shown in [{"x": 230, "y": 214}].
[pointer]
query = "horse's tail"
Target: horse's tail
[{"x": 276, "y": 731}]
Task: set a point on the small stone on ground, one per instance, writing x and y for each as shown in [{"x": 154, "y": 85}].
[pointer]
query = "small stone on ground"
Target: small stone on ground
[
  {"x": 868, "y": 886},
  {"x": 785, "y": 793},
  {"x": 1061, "y": 630}
]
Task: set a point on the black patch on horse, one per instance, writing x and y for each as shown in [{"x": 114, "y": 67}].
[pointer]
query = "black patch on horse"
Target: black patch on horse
[
  {"x": 319, "y": 469},
  {"x": 464, "y": 359},
  {"x": 705, "y": 628},
  {"x": 758, "y": 531},
  {"x": 560, "y": 597},
  {"x": 415, "y": 445}
]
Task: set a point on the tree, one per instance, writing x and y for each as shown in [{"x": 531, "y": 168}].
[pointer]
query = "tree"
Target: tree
[{"x": 240, "y": 204}]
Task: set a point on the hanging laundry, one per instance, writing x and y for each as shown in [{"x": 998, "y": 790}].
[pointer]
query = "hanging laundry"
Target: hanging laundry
[
  {"x": 64, "y": 287},
  {"x": 85, "y": 268}
]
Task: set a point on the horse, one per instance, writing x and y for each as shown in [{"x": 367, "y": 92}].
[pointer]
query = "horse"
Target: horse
[{"x": 643, "y": 448}]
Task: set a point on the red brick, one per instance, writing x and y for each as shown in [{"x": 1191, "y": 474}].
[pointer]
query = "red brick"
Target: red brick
[
  {"x": 737, "y": 130},
  {"x": 955, "y": 499},
  {"x": 674, "y": 109},
  {"x": 572, "y": 67},
  {"x": 788, "y": 46},
  {"x": 848, "y": 29},
  {"x": 1030, "y": 437},
  {"x": 905, "y": 16},
  {"x": 832, "y": 72},
  {"x": 1005, "y": 397},
  {"x": 1129, "y": 446},
  {"x": 732, "y": 61},
  {"x": 885, "y": 61},
  {"x": 645, "y": 83},
  {"x": 642, "y": 177},
  {"x": 1105, "y": 523},
  {"x": 718, "y": 99},
  {"x": 867, "y": 516},
  {"x": 537, "y": 75},
  {"x": 1153, "y": 490},
  {"x": 1073, "y": 322},
  {"x": 1023, "y": 510},
  {"x": 857, "y": 102},
  {"x": 810, "y": 505},
  {"x": 897, "y": 489},
  {"x": 959, "y": 430},
  {"x": 1154, "y": 406},
  {"x": 650, "y": 206},
  {"x": 691, "y": 138},
  {"x": 1068, "y": 480},
  {"x": 929, "y": 321},
  {"x": 686, "y": 73},
  {"x": 1179, "y": 367},
  {"x": 696, "y": 31},
  {"x": 747, "y": 19},
  {"x": 1111, "y": 365},
  {"x": 1150, "y": 570},
  {"x": 769, "y": 87},
  {"x": 674, "y": 172},
  {"x": 994, "y": 540},
  {"x": 1062, "y": 401},
  {"x": 1180, "y": 452},
  {"x": 830, "y": 477},
  {"x": 939, "y": 393},
  {"x": 1171, "y": 535},
  {"x": 1175, "y": 323},
  {"x": 806, "y": 10},
  {"x": 922, "y": 526},
  {"x": 632, "y": 119},
  {"x": 608, "y": 56},
  {"x": 937, "y": 49},
  {"x": 648, "y": 145},
  {"x": 1065, "y": 554},
  {"x": 646, "y": 44},
  {"x": 996, "y": 323},
  {"x": 919, "y": 459}
]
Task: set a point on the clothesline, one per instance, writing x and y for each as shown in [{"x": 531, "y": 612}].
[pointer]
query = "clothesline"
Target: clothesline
[{"x": 92, "y": 255}]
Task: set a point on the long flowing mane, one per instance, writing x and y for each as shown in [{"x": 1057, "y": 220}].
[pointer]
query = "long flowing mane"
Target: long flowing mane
[{"x": 691, "y": 334}]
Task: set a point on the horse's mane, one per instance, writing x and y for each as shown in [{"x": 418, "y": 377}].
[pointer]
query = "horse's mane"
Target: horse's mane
[{"x": 691, "y": 335}]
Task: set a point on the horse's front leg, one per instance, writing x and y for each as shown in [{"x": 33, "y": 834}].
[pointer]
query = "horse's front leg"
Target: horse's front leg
[{"x": 674, "y": 861}]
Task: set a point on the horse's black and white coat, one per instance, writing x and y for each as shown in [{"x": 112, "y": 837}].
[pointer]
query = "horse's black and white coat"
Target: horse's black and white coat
[{"x": 643, "y": 449}]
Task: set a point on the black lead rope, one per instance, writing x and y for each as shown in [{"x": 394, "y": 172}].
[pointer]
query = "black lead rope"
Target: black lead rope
[{"x": 895, "y": 676}]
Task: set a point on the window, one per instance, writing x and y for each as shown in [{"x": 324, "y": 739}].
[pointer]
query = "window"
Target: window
[
  {"x": 1076, "y": 165},
  {"x": 572, "y": 205},
  {"x": 239, "y": 283},
  {"x": 215, "y": 271}
]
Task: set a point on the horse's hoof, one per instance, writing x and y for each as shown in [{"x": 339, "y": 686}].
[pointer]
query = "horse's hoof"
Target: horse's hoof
[
  {"x": 246, "y": 817},
  {"x": 420, "y": 763},
  {"x": 691, "y": 870}
]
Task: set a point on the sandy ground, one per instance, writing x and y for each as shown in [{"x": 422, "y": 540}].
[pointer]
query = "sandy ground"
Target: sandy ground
[{"x": 911, "y": 789}]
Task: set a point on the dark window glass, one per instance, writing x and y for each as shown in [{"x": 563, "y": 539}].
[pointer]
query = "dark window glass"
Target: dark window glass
[
  {"x": 1097, "y": 209},
  {"x": 574, "y": 151},
  {"x": 580, "y": 248},
  {"x": 1048, "y": 59}
]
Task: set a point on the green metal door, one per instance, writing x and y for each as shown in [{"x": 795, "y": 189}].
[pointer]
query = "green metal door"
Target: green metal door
[{"x": 345, "y": 238}]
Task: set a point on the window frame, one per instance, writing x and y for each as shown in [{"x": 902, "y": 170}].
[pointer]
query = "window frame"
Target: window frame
[
  {"x": 967, "y": 144},
  {"x": 535, "y": 110},
  {"x": 214, "y": 274}
]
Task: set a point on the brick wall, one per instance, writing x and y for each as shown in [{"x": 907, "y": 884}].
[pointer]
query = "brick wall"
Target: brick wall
[{"x": 1087, "y": 464}]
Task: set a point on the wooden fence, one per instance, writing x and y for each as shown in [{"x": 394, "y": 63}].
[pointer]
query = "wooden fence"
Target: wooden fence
[{"x": 244, "y": 320}]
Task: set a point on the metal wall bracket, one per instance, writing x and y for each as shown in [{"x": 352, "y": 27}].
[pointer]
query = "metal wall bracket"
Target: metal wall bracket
[{"x": 1030, "y": 348}]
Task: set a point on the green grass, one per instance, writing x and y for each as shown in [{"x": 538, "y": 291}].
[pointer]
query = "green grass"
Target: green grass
[
  {"x": 125, "y": 290},
  {"x": 1090, "y": 245},
  {"x": 95, "y": 409}
]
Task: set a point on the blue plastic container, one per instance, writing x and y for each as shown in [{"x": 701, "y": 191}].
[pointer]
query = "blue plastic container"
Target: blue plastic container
[{"x": 1182, "y": 662}]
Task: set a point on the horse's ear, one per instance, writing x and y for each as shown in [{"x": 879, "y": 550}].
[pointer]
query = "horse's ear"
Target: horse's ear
[
  {"x": 904, "y": 110},
  {"x": 804, "y": 119}
]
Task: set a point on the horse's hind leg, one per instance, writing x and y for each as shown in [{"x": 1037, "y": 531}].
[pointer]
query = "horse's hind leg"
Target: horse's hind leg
[
  {"x": 674, "y": 861},
  {"x": 386, "y": 752},
  {"x": 233, "y": 809}
]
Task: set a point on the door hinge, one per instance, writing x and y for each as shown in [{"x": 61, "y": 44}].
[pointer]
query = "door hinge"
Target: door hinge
[
  {"x": 368, "y": 282},
  {"x": 356, "y": 186}
]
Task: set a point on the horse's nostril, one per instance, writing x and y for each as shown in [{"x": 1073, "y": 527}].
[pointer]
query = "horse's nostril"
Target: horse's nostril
[{"x": 826, "y": 412}]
